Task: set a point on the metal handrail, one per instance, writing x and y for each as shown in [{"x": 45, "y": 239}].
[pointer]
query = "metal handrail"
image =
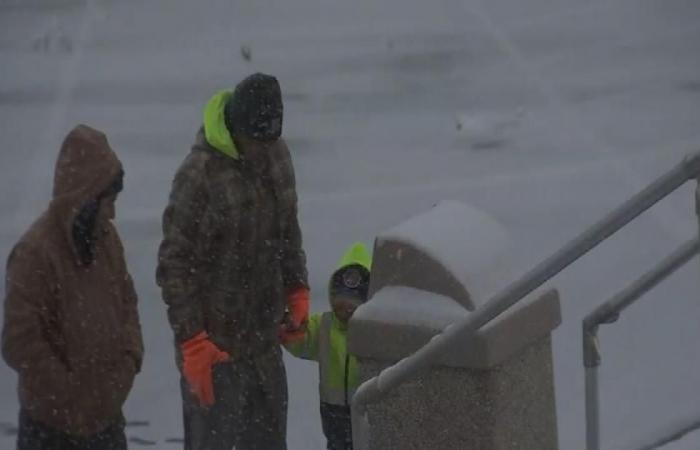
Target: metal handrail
[
  {"x": 609, "y": 312},
  {"x": 679, "y": 433},
  {"x": 388, "y": 379}
]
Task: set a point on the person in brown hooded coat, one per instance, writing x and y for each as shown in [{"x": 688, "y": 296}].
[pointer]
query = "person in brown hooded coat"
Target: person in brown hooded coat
[
  {"x": 71, "y": 327},
  {"x": 233, "y": 272}
]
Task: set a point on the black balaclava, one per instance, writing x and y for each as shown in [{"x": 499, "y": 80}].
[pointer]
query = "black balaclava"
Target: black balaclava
[
  {"x": 84, "y": 235},
  {"x": 255, "y": 109}
]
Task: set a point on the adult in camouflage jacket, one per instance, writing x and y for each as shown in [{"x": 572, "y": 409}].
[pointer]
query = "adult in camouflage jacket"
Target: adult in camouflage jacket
[{"x": 233, "y": 272}]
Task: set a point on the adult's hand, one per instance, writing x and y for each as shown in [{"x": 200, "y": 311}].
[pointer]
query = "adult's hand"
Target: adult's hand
[
  {"x": 293, "y": 328},
  {"x": 200, "y": 355}
]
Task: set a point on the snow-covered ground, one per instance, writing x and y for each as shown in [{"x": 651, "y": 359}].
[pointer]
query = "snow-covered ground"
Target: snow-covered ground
[{"x": 543, "y": 113}]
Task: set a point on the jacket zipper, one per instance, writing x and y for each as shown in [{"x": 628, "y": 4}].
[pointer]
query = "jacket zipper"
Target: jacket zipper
[{"x": 347, "y": 375}]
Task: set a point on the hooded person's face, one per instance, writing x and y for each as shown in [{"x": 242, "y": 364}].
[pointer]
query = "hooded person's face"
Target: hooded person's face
[
  {"x": 94, "y": 217},
  {"x": 107, "y": 200},
  {"x": 268, "y": 124},
  {"x": 97, "y": 214},
  {"x": 344, "y": 307},
  {"x": 107, "y": 209}
]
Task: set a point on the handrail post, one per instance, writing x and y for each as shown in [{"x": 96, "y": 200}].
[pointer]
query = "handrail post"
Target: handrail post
[
  {"x": 591, "y": 361},
  {"x": 592, "y": 409},
  {"x": 609, "y": 312},
  {"x": 393, "y": 376}
]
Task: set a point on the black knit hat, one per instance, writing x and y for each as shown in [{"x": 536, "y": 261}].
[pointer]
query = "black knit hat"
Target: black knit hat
[
  {"x": 351, "y": 281},
  {"x": 255, "y": 109}
]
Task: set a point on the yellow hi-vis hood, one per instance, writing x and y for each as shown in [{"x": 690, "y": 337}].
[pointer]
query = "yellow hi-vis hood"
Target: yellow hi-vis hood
[{"x": 215, "y": 130}]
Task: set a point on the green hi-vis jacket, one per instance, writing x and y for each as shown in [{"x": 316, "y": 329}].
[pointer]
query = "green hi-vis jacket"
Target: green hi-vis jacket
[{"x": 326, "y": 342}]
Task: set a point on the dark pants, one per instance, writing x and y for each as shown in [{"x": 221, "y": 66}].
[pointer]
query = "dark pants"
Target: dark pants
[
  {"x": 37, "y": 436},
  {"x": 250, "y": 409},
  {"x": 337, "y": 426}
]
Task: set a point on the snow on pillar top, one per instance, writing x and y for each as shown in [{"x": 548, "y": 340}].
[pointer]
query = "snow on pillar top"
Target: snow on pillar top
[
  {"x": 434, "y": 270},
  {"x": 453, "y": 250}
]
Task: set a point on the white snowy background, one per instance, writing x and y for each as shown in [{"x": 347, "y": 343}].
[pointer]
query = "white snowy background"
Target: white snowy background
[{"x": 545, "y": 114}]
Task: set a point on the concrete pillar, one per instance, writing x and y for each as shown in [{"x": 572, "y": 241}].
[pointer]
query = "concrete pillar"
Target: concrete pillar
[{"x": 494, "y": 390}]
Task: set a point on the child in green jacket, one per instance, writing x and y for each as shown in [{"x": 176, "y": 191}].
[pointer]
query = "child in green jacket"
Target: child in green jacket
[{"x": 325, "y": 341}]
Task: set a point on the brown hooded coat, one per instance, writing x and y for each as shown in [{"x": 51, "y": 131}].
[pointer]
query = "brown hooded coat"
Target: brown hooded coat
[{"x": 71, "y": 330}]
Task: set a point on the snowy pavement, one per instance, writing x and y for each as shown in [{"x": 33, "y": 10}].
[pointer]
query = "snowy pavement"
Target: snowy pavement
[{"x": 545, "y": 114}]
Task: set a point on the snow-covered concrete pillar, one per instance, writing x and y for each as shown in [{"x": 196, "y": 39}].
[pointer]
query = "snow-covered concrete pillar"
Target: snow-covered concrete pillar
[{"x": 493, "y": 391}]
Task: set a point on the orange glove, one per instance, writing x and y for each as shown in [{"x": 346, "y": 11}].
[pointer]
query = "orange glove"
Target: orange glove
[
  {"x": 200, "y": 354},
  {"x": 294, "y": 327}
]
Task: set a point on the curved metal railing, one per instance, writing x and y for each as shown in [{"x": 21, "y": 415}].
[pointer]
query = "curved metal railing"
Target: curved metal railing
[{"x": 388, "y": 379}]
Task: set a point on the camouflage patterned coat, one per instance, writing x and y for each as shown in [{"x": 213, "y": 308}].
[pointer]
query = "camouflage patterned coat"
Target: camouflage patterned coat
[{"x": 232, "y": 246}]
